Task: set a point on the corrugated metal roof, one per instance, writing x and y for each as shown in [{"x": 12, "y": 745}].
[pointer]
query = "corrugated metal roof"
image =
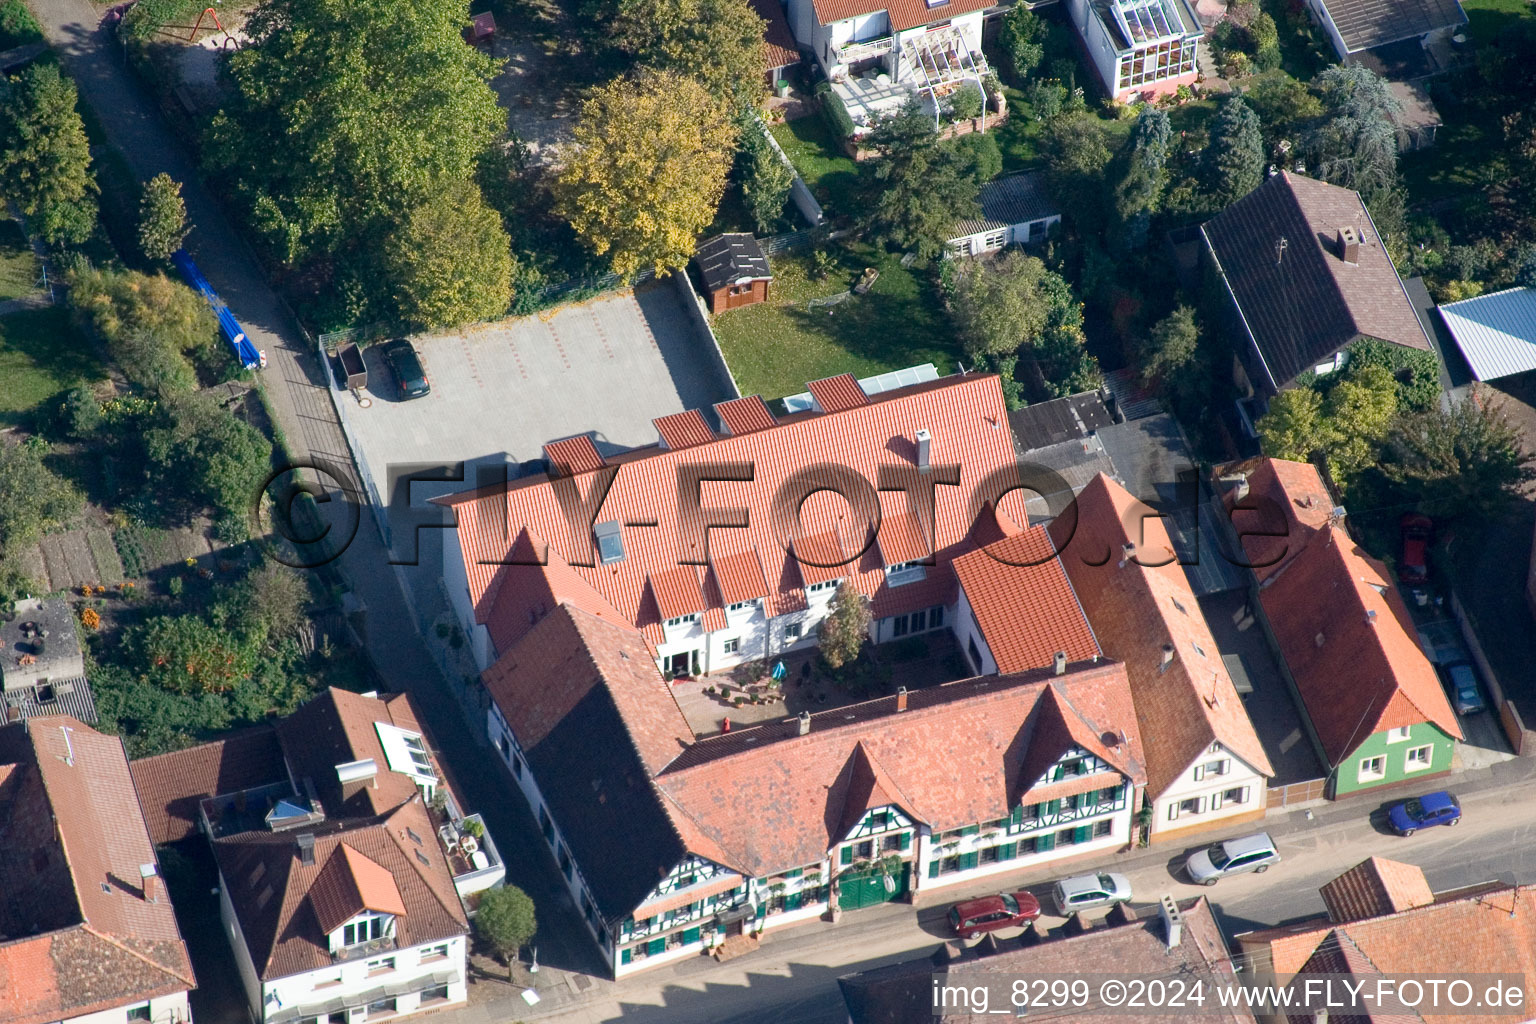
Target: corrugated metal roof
[
  {"x": 1016, "y": 199},
  {"x": 1363, "y": 24},
  {"x": 1496, "y": 332}
]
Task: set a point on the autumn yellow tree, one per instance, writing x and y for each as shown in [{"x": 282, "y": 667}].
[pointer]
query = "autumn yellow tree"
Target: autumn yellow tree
[{"x": 647, "y": 170}]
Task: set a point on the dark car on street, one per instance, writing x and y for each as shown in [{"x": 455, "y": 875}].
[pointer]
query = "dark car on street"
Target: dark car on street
[
  {"x": 1425, "y": 811},
  {"x": 405, "y": 364},
  {"x": 1461, "y": 680},
  {"x": 991, "y": 913}
]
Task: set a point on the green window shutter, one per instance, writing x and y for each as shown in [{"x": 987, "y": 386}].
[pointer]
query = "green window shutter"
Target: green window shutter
[
  {"x": 1056, "y": 772},
  {"x": 1007, "y": 851},
  {"x": 792, "y": 901},
  {"x": 969, "y": 860},
  {"x": 846, "y": 856},
  {"x": 933, "y": 868},
  {"x": 906, "y": 841},
  {"x": 1046, "y": 842},
  {"x": 1017, "y": 816},
  {"x": 762, "y": 911},
  {"x": 1082, "y": 833},
  {"x": 1053, "y": 807},
  {"x": 691, "y": 935},
  {"x": 655, "y": 946},
  {"x": 796, "y": 873},
  {"x": 970, "y": 830},
  {"x": 626, "y": 955}
]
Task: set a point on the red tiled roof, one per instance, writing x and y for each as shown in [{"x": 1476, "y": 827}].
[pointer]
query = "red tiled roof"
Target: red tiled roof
[
  {"x": 1374, "y": 887},
  {"x": 865, "y": 785},
  {"x": 1349, "y": 640},
  {"x": 171, "y": 786},
  {"x": 834, "y": 394},
  {"x": 677, "y": 592},
  {"x": 778, "y": 803},
  {"x": 1286, "y": 501},
  {"x": 1138, "y": 607},
  {"x": 73, "y": 826},
  {"x": 740, "y": 577},
  {"x": 573, "y": 455},
  {"x": 963, "y": 413},
  {"x": 1025, "y": 607},
  {"x": 744, "y": 415},
  {"x": 781, "y": 49},
  {"x": 349, "y": 884},
  {"x": 902, "y": 539},
  {"x": 821, "y": 557},
  {"x": 904, "y": 14},
  {"x": 683, "y": 429}
]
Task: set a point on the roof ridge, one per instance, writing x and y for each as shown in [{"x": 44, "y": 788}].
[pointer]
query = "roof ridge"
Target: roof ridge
[
  {"x": 113, "y": 940},
  {"x": 411, "y": 861},
  {"x": 1125, "y": 764}
]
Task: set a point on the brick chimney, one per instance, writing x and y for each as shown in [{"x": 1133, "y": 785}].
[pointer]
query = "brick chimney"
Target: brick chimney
[
  {"x": 149, "y": 879},
  {"x": 1349, "y": 245},
  {"x": 901, "y": 698},
  {"x": 306, "y": 844}
]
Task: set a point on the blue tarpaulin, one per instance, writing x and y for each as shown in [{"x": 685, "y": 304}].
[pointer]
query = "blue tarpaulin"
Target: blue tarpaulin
[{"x": 244, "y": 350}]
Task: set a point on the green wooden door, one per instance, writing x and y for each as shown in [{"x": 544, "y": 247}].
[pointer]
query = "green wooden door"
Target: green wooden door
[{"x": 856, "y": 893}]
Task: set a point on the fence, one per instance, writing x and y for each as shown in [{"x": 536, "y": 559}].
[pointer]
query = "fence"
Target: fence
[
  {"x": 695, "y": 306},
  {"x": 775, "y": 244},
  {"x": 799, "y": 191},
  {"x": 1521, "y": 739},
  {"x": 1297, "y": 793}
]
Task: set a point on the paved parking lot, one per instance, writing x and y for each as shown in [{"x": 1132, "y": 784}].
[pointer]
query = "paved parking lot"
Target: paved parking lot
[{"x": 607, "y": 366}]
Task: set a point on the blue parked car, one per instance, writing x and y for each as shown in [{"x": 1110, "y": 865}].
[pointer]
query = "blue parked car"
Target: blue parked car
[
  {"x": 1464, "y": 691},
  {"x": 1425, "y": 811}
]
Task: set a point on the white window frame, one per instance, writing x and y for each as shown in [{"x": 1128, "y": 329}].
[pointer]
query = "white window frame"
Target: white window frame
[
  {"x": 1410, "y": 765},
  {"x": 1366, "y": 773},
  {"x": 823, "y": 585},
  {"x": 904, "y": 572},
  {"x": 682, "y": 620},
  {"x": 742, "y": 605},
  {"x": 792, "y": 631},
  {"x": 994, "y": 240},
  {"x": 731, "y": 645},
  {"x": 1399, "y": 734}
]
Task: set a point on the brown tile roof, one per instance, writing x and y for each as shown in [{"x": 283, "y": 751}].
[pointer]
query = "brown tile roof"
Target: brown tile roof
[
  {"x": 1374, "y": 887},
  {"x": 70, "y": 824},
  {"x": 1023, "y": 603},
  {"x": 774, "y": 799},
  {"x": 834, "y": 394},
  {"x": 683, "y": 429},
  {"x": 903, "y": 993},
  {"x": 744, "y": 415},
  {"x": 965, "y": 415},
  {"x": 171, "y": 786},
  {"x": 348, "y": 884},
  {"x": 1137, "y": 608},
  {"x": 337, "y": 727},
  {"x": 1286, "y": 501},
  {"x": 740, "y": 577},
  {"x": 273, "y": 891},
  {"x": 596, "y": 720},
  {"x": 904, "y": 14},
  {"x": 1348, "y": 639},
  {"x": 677, "y": 591},
  {"x": 782, "y": 49},
  {"x": 1308, "y": 304},
  {"x": 903, "y": 539},
  {"x": 573, "y": 455}
]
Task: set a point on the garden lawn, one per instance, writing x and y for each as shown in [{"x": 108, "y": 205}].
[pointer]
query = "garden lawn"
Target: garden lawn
[
  {"x": 18, "y": 266},
  {"x": 41, "y": 354},
  {"x": 775, "y": 348},
  {"x": 829, "y": 173},
  {"x": 1487, "y": 19}
]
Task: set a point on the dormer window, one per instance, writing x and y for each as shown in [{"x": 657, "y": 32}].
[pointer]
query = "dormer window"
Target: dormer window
[
  {"x": 682, "y": 620},
  {"x": 610, "y": 542},
  {"x": 741, "y": 606},
  {"x": 366, "y": 928},
  {"x": 823, "y": 585},
  {"x": 904, "y": 572}
]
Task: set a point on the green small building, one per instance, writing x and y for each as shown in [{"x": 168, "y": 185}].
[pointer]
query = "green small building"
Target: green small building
[{"x": 1373, "y": 702}]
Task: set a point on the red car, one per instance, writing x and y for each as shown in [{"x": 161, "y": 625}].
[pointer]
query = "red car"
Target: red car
[
  {"x": 1413, "y": 568},
  {"x": 991, "y": 913}
]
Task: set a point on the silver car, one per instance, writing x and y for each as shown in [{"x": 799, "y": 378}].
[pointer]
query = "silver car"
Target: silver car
[
  {"x": 1089, "y": 892},
  {"x": 1233, "y": 857}
]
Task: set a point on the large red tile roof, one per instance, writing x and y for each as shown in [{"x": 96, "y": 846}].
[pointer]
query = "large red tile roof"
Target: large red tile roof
[
  {"x": 80, "y": 935},
  {"x": 773, "y": 799},
  {"x": 1348, "y": 639},
  {"x": 171, "y": 786},
  {"x": 524, "y": 522},
  {"x": 779, "y": 41},
  {"x": 1140, "y": 603},
  {"x": 1023, "y": 603},
  {"x": 904, "y": 14}
]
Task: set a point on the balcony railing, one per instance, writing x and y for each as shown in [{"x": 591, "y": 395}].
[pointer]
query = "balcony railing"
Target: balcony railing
[
  {"x": 850, "y": 53},
  {"x": 365, "y": 949}
]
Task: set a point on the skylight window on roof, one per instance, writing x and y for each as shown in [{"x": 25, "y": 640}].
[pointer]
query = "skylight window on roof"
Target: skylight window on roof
[
  {"x": 610, "y": 542},
  {"x": 1144, "y": 21}
]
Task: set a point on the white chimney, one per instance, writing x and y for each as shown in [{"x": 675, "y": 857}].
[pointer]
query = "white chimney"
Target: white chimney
[
  {"x": 804, "y": 722},
  {"x": 1127, "y": 552},
  {"x": 1061, "y": 663},
  {"x": 1173, "y": 921},
  {"x": 924, "y": 454}
]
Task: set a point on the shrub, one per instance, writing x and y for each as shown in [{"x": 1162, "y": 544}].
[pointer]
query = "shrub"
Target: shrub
[
  {"x": 966, "y": 102},
  {"x": 836, "y": 114},
  {"x": 17, "y": 26}
]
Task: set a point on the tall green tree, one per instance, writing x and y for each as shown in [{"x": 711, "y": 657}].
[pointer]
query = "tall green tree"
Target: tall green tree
[
  {"x": 1234, "y": 159},
  {"x": 647, "y": 170},
  {"x": 998, "y": 305},
  {"x": 45, "y": 160},
  {"x": 765, "y": 180},
  {"x": 919, "y": 187},
  {"x": 1294, "y": 428},
  {"x": 845, "y": 630},
  {"x": 720, "y": 45},
  {"x": 1077, "y": 158},
  {"x": 506, "y": 920},
  {"x": 1170, "y": 347},
  {"x": 345, "y": 114},
  {"x": 1143, "y": 176},
  {"x": 451, "y": 259},
  {"x": 1022, "y": 38},
  {"x": 201, "y": 457},
  {"x": 1464, "y": 461},
  {"x": 33, "y": 498},
  {"x": 162, "y": 218},
  {"x": 1359, "y": 410},
  {"x": 1355, "y": 143}
]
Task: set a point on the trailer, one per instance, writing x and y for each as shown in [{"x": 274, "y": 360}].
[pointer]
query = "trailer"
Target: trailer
[
  {"x": 354, "y": 371},
  {"x": 249, "y": 357}
]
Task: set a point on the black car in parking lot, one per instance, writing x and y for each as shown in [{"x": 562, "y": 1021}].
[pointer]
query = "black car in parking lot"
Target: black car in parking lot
[{"x": 406, "y": 366}]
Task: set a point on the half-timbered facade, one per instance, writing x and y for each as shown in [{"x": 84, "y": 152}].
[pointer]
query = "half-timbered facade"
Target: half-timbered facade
[{"x": 730, "y": 835}]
